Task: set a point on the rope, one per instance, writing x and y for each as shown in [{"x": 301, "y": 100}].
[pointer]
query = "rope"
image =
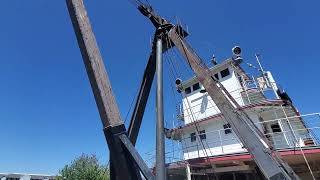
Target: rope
[
  {"x": 291, "y": 129},
  {"x": 131, "y": 105},
  {"x": 136, "y": 3},
  {"x": 304, "y": 156},
  {"x": 196, "y": 127}
]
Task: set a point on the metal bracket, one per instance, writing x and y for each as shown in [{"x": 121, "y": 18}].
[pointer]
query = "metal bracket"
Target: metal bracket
[
  {"x": 124, "y": 156},
  {"x": 121, "y": 166},
  {"x": 145, "y": 170}
]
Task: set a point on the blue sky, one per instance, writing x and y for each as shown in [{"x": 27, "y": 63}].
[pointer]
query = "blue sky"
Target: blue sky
[{"x": 47, "y": 111}]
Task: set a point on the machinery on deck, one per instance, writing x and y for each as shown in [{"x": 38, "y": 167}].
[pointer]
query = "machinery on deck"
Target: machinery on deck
[{"x": 125, "y": 161}]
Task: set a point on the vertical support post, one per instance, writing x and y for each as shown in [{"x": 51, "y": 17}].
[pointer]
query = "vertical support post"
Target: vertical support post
[
  {"x": 160, "y": 149},
  {"x": 221, "y": 144},
  {"x": 316, "y": 135},
  {"x": 188, "y": 172},
  {"x": 198, "y": 150}
]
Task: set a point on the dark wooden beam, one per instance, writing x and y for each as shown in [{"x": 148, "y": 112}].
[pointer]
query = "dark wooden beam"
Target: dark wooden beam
[
  {"x": 146, "y": 83},
  {"x": 142, "y": 99},
  {"x": 99, "y": 80},
  {"x": 123, "y": 159}
]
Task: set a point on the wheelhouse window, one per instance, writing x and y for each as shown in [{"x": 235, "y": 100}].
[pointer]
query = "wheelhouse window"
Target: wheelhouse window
[
  {"x": 196, "y": 86},
  {"x": 202, "y": 135},
  {"x": 225, "y": 73},
  {"x": 275, "y": 128},
  {"x": 187, "y": 90},
  {"x": 216, "y": 76},
  {"x": 193, "y": 137},
  {"x": 227, "y": 128}
]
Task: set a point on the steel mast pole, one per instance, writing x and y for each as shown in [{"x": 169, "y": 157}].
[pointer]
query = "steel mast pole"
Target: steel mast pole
[
  {"x": 258, "y": 60},
  {"x": 160, "y": 149}
]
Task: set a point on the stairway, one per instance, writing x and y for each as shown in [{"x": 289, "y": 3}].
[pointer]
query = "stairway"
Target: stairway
[
  {"x": 252, "y": 96},
  {"x": 296, "y": 122}
]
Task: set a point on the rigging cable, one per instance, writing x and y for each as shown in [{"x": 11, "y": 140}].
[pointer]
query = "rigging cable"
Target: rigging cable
[
  {"x": 291, "y": 129},
  {"x": 195, "y": 124}
]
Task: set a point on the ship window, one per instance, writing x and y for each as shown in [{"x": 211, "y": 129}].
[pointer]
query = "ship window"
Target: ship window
[
  {"x": 202, "y": 135},
  {"x": 225, "y": 73},
  {"x": 193, "y": 137},
  {"x": 187, "y": 90},
  {"x": 227, "y": 129},
  {"x": 275, "y": 128},
  {"x": 216, "y": 76},
  {"x": 196, "y": 86}
]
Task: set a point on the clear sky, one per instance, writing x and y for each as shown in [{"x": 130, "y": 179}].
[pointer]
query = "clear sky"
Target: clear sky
[{"x": 47, "y": 111}]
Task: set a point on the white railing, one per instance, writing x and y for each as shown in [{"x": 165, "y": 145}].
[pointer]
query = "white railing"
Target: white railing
[
  {"x": 308, "y": 135},
  {"x": 218, "y": 143}
]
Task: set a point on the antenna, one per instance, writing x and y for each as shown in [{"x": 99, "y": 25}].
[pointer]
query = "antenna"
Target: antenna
[
  {"x": 264, "y": 74},
  {"x": 257, "y": 55}
]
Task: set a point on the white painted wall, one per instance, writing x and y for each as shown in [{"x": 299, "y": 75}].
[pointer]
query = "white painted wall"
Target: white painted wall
[
  {"x": 216, "y": 143},
  {"x": 219, "y": 143},
  {"x": 197, "y": 106}
]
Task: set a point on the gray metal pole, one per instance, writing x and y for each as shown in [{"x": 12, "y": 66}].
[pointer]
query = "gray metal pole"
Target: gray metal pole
[
  {"x": 188, "y": 172},
  {"x": 160, "y": 149}
]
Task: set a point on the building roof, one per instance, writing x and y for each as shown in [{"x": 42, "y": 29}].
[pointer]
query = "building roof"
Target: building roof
[{"x": 32, "y": 176}]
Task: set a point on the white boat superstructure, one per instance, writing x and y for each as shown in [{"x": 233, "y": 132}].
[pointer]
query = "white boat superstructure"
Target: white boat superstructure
[{"x": 204, "y": 134}]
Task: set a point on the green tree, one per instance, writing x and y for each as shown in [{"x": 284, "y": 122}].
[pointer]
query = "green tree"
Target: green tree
[{"x": 85, "y": 167}]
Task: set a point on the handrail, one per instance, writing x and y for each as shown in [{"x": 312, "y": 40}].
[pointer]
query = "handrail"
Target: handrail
[
  {"x": 268, "y": 121},
  {"x": 218, "y": 144}
]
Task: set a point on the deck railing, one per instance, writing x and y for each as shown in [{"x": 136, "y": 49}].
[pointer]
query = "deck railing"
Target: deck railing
[
  {"x": 220, "y": 142},
  {"x": 217, "y": 142}
]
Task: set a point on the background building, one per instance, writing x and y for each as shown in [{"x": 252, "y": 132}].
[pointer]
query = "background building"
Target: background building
[{"x": 20, "y": 176}]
